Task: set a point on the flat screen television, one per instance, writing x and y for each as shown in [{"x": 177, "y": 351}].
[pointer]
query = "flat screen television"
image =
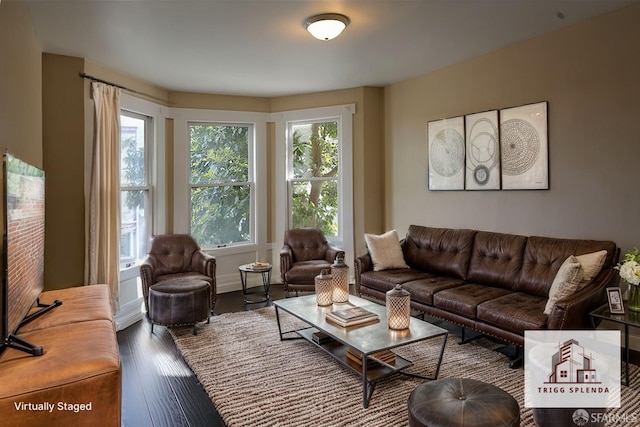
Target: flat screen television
[{"x": 23, "y": 251}]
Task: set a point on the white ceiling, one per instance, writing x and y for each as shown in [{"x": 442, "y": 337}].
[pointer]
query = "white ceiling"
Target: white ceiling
[{"x": 259, "y": 47}]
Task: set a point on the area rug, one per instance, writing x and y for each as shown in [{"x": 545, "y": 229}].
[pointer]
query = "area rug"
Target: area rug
[{"x": 254, "y": 379}]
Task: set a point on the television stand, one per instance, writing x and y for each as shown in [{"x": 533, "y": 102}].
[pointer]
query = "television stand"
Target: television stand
[
  {"x": 44, "y": 308},
  {"x": 12, "y": 341}
]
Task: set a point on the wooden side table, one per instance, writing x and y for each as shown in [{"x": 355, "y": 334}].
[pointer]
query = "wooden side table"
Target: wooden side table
[
  {"x": 628, "y": 319},
  {"x": 262, "y": 268}
]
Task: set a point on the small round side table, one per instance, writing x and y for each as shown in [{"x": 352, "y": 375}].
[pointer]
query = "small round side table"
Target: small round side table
[{"x": 265, "y": 270}]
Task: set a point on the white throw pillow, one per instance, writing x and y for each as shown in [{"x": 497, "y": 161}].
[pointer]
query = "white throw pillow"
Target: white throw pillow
[
  {"x": 385, "y": 251},
  {"x": 565, "y": 283},
  {"x": 591, "y": 264}
]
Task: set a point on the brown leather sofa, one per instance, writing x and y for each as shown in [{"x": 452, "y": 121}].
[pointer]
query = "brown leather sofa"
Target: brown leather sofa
[
  {"x": 494, "y": 283},
  {"x": 78, "y": 379},
  {"x": 304, "y": 254}
]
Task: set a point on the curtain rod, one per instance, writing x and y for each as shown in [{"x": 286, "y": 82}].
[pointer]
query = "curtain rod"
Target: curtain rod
[{"x": 95, "y": 79}]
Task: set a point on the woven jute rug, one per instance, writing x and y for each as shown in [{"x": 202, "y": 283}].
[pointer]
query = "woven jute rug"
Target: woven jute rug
[{"x": 254, "y": 379}]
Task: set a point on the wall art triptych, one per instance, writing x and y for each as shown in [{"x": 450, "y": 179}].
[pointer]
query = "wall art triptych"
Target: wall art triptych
[{"x": 490, "y": 150}]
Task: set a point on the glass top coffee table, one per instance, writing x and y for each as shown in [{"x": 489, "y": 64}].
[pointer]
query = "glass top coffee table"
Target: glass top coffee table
[{"x": 368, "y": 339}]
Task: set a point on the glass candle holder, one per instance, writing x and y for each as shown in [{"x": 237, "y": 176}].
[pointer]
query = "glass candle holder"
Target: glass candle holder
[
  {"x": 398, "y": 308},
  {"x": 324, "y": 288},
  {"x": 340, "y": 273}
]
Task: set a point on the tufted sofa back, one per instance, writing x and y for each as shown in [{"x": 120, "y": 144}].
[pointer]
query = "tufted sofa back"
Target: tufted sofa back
[
  {"x": 497, "y": 259},
  {"x": 543, "y": 257},
  {"x": 445, "y": 251}
]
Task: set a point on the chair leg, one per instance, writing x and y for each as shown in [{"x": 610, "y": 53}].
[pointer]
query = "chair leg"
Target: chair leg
[
  {"x": 195, "y": 332},
  {"x": 151, "y": 326}
]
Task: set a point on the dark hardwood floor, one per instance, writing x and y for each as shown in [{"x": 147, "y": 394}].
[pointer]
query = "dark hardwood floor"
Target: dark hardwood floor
[{"x": 158, "y": 387}]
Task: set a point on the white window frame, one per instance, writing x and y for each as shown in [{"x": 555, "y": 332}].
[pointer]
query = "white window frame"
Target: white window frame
[
  {"x": 291, "y": 179},
  {"x": 284, "y": 170},
  {"x": 181, "y": 184},
  {"x": 147, "y": 187},
  {"x": 251, "y": 180},
  {"x": 155, "y": 167}
]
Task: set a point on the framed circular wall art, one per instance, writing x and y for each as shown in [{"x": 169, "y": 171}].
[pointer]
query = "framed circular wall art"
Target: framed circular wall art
[{"x": 446, "y": 150}]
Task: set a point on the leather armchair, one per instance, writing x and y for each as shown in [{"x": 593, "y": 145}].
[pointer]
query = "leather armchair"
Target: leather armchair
[
  {"x": 177, "y": 256},
  {"x": 304, "y": 255}
]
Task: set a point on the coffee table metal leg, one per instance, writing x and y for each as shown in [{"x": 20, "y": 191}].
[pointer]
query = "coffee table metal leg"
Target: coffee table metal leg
[
  {"x": 366, "y": 396},
  {"x": 435, "y": 375},
  {"x": 278, "y": 320},
  {"x": 444, "y": 343},
  {"x": 626, "y": 355}
]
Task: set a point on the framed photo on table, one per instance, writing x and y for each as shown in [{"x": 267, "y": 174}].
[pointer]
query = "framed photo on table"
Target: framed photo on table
[{"x": 614, "y": 296}]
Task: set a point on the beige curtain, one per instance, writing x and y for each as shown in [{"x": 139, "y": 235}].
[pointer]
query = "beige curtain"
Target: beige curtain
[{"x": 103, "y": 257}]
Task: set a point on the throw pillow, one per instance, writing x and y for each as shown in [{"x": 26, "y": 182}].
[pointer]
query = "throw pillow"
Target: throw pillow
[
  {"x": 565, "y": 283},
  {"x": 385, "y": 251},
  {"x": 592, "y": 264}
]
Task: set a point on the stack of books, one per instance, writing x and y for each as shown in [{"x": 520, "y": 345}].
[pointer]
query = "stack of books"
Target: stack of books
[
  {"x": 351, "y": 316},
  {"x": 386, "y": 356},
  {"x": 321, "y": 338}
]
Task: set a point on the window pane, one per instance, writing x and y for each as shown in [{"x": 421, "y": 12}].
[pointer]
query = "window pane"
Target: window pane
[
  {"x": 315, "y": 150},
  {"x": 219, "y": 153},
  {"x": 220, "y": 215},
  {"x": 315, "y": 204},
  {"x": 132, "y": 137},
  {"x": 133, "y": 227}
]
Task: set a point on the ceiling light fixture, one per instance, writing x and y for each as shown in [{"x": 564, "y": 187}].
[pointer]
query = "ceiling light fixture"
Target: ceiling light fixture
[{"x": 326, "y": 26}]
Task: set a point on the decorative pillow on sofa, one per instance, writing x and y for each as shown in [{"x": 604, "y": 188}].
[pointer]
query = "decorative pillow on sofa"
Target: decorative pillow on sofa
[
  {"x": 591, "y": 264},
  {"x": 385, "y": 251},
  {"x": 565, "y": 283}
]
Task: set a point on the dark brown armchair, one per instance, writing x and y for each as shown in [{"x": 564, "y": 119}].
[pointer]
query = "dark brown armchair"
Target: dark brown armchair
[
  {"x": 304, "y": 255},
  {"x": 176, "y": 256}
]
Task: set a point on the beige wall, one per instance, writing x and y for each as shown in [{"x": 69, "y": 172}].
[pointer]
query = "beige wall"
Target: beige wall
[
  {"x": 20, "y": 84},
  {"x": 218, "y": 102},
  {"x": 590, "y": 75},
  {"x": 63, "y": 146}
]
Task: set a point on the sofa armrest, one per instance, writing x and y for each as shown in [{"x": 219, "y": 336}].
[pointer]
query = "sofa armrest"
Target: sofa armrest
[
  {"x": 147, "y": 277},
  {"x": 332, "y": 252},
  {"x": 362, "y": 264},
  {"x": 286, "y": 260},
  {"x": 203, "y": 263},
  {"x": 572, "y": 312}
]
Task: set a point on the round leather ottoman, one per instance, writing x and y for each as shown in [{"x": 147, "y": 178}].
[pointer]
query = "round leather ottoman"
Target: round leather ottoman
[
  {"x": 457, "y": 402},
  {"x": 179, "y": 302}
]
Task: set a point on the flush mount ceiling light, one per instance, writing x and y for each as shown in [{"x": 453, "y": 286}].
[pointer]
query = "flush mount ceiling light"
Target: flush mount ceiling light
[{"x": 326, "y": 26}]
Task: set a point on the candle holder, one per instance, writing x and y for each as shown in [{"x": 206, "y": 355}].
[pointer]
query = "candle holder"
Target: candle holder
[
  {"x": 398, "y": 308},
  {"x": 340, "y": 273},
  {"x": 324, "y": 288}
]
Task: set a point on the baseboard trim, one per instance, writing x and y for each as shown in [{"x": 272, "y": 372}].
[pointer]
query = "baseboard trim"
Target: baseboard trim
[{"x": 129, "y": 314}]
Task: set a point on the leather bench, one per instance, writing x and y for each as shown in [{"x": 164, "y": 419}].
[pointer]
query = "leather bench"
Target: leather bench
[{"x": 78, "y": 379}]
